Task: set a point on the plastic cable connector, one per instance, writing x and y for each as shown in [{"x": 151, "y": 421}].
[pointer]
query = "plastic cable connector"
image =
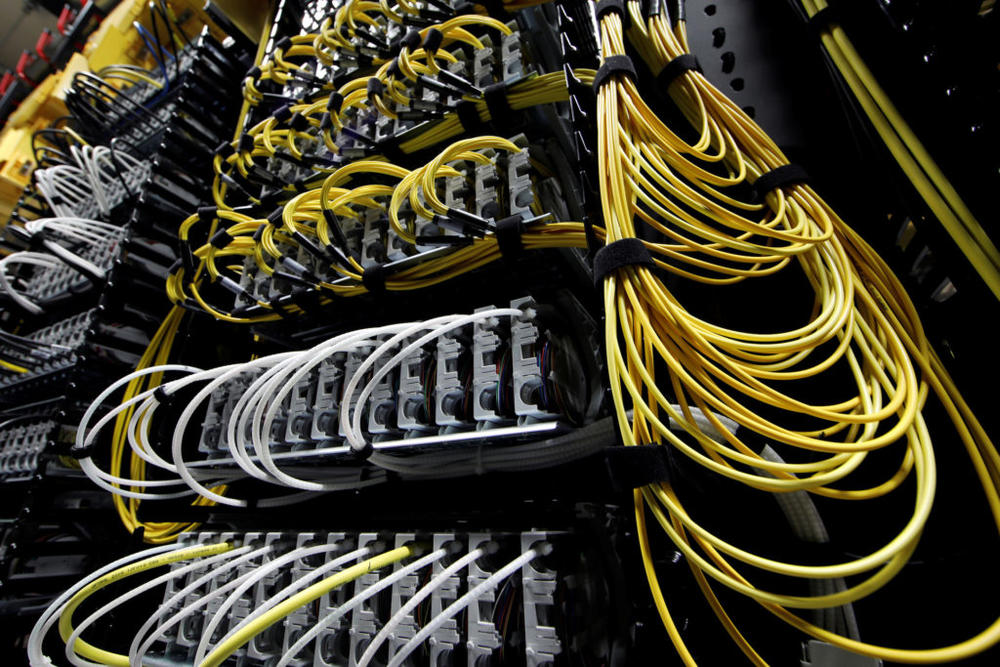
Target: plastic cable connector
[
  {"x": 432, "y": 41},
  {"x": 246, "y": 143},
  {"x": 298, "y": 122},
  {"x": 779, "y": 177},
  {"x": 283, "y": 113},
  {"x": 375, "y": 87},
  {"x": 637, "y": 465},
  {"x": 617, "y": 255},
  {"x": 685, "y": 62},
  {"x": 224, "y": 150},
  {"x": 325, "y": 122},
  {"x": 221, "y": 239},
  {"x": 335, "y": 102},
  {"x": 252, "y": 73},
  {"x": 274, "y": 217},
  {"x": 411, "y": 39},
  {"x": 178, "y": 263},
  {"x": 508, "y": 235},
  {"x": 373, "y": 279},
  {"x": 614, "y": 66},
  {"x": 283, "y": 44},
  {"x": 468, "y": 116},
  {"x": 207, "y": 213}
]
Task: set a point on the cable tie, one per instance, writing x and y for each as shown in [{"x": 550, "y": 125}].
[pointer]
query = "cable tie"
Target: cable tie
[
  {"x": 432, "y": 41},
  {"x": 207, "y": 213},
  {"x": 823, "y": 20},
  {"x": 298, "y": 122},
  {"x": 779, "y": 177},
  {"x": 676, "y": 11},
  {"x": 501, "y": 113},
  {"x": 508, "y": 234},
  {"x": 335, "y": 102},
  {"x": 617, "y": 255},
  {"x": 605, "y": 7},
  {"x": 373, "y": 278},
  {"x": 162, "y": 396},
  {"x": 283, "y": 113},
  {"x": 275, "y": 216},
  {"x": 675, "y": 68},
  {"x": 363, "y": 453},
  {"x": 393, "y": 71},
  {"x": 375, "y": 87},
  {"x": 614, "y": 66},
  {"x": 468, "y": 117},
  {"x": 221, "y": 239},
  {"x": 636, "y": 466},
  {"x": 654, "y": 8},
  {"x": 306, "y": 299},
  {"x": 224, "y": 150}
]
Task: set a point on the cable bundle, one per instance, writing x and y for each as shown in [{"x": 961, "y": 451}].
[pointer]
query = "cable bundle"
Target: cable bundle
[
  {"x": 207, "y": 580},
  {"x": 265, "y": 385},
  {"x": 906, "y": 148},
  {"x": 862, "y": 326},
  {"x": 309, "y": 228},
  {"x": 56, "y": 265}
]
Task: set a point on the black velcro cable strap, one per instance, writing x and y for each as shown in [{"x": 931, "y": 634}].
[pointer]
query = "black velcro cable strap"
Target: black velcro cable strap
[
  {"x": 373, "y": 279},
  {"x": 468, "y": 116},
  {"x": 675, "y": 68},
  {"x": 626, "y": 252},
  {"x": 617, "y": 6},
  {"x": 785, "y": 175},
  {"x": 508, "y": 235},
  {"x": 636, "y": 466},
  {"x": 614, "y": 66},
  {"x": 823, "y": 20},
  {"x": 501, "y": 115}
]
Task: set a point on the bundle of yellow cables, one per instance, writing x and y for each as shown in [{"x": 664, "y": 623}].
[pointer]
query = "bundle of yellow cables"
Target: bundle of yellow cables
[
  {"x": 303, "y": 222},
  {"x": 861, "y": 323}
]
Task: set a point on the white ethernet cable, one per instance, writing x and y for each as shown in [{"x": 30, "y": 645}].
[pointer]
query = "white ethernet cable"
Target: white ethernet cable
[
  {"x": 411, "y": 604},
  {"x": 36, "y": 657},
  {"x": 461, "y": 603},
  {"x": 198, "y": 564},
  {"x": 38, "y": 259},
  {"x": 137, "y": 651},
  {"x": 257, "y": 575},
  {"x": 356, "y": 601}
]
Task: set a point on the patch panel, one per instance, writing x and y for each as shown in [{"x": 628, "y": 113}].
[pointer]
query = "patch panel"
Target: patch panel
[{"x": 513, "y": 617}]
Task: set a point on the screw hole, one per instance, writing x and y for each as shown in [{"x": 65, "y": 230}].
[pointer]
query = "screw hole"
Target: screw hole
[
  {"x": 728, "y": 62},
  {"x": 737, "y": 83},
  {"x": 750, "y": 111},
  {"x": 710, "y": 10},
  {"x": 718, "y": 37}
]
